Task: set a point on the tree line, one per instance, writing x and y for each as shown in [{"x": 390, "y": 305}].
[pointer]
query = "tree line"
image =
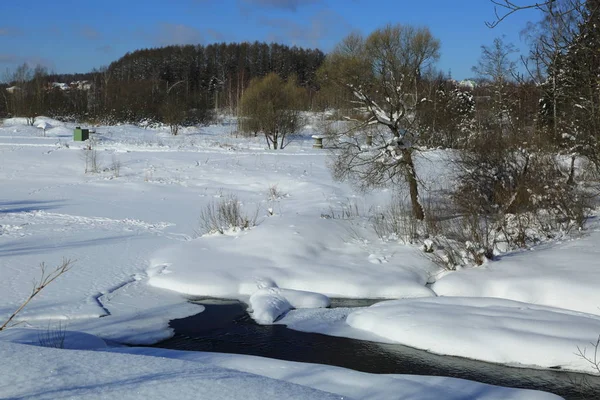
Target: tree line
[{"x": 151, "y": 84}]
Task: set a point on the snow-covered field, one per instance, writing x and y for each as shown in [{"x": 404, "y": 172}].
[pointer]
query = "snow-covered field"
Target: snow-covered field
[{"x": 133, "y": 229}]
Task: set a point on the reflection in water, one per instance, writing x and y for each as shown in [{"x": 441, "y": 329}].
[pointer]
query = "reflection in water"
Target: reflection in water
[{"x": 226, "y": 327}]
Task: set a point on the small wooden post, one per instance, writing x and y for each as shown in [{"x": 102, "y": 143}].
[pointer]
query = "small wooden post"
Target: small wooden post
[{"x": 318, "y": 142}]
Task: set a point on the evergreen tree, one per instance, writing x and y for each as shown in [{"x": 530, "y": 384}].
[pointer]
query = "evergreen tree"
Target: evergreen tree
[{"x": 573, "y": 86}]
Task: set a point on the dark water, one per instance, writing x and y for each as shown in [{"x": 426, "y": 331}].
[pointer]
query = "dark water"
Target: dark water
[{"x": 226, "y": 327}]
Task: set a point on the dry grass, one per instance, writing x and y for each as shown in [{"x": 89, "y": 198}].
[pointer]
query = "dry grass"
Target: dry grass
[{"x": 224, "y": 215}]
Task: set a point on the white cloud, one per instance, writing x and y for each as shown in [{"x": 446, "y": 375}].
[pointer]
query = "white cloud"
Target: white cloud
[{"x": 177, "y": 34}]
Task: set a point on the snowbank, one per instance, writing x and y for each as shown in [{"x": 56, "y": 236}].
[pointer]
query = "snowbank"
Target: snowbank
[
  {"x": 46, "y": 373},
  {"x": 487, "y": 329},
  {"x": 268, "y": 304},
  {"x": 150, "y": 373},
  {"x": 56, "y": 337},
  {"x": 565, "y": 276},
  {"x": 353, "y": 384},
  {"x": 138, "y": 314},
  {"x": 311, "y": 254}
]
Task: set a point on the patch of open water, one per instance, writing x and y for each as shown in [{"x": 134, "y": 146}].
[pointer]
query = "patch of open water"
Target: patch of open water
[{"x": 226, "y": 327}]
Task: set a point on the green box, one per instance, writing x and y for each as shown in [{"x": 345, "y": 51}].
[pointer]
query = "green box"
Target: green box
[{"x": 80, "y": 135}]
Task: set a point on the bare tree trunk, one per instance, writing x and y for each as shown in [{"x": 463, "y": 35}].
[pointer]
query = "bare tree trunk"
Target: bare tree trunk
[
  {"x": 554, "y": 106},
  {"x": 413, "y": 185},
  {"x": 230, "y": 95},
  {"x": 571, "y": 179}
]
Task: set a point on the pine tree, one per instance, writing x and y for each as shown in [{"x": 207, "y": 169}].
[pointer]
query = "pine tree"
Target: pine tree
[{"x": 573, "y": 87}]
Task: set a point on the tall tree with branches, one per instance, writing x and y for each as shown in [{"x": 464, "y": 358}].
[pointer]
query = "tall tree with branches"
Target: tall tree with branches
[
  {"x": 381, "y": 72},
  {"x": 578, "y": 76}
]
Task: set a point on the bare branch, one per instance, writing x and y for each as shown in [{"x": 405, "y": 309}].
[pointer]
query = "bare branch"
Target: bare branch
[
  {"x": 505, "y": 8},
  {"x": 594, "y": 359},
  {"x": 46, "y": 278}
]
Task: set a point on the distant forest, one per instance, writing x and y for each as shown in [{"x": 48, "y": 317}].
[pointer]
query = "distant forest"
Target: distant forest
[{"x": 146, "y": 84}]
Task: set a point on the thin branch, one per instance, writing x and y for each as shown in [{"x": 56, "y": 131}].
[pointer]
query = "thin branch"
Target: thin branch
[
  {"x": 510, "y": 8},
  {"x": 45, "y": 279},
  {"x": 594, "y": 359}
]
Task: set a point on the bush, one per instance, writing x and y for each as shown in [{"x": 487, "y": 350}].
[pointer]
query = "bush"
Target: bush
[
  {"x": 506, "y": 197},
  {"x": 509, "y": 196},
  {"x": 227, "y": 214}
]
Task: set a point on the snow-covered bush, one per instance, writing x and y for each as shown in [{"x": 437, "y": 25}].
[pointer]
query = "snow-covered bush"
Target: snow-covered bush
[
  {"x": 507, "y": 196},
  {"x": 512, "y": 197}
]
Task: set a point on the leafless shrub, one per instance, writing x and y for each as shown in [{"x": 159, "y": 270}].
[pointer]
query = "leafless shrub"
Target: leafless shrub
[
  {"x": 115, "y": 166},
  {"x": 226, "y": 214},
  {"x": 396, "y": 221},
  {"x": 46, "y": 278},
  {"x": 90, "y": 157},
  {"x": 347, "y": 210},
  {"x": 273, "y": 197},
  {"x": 91, "y": 161},
  {"x": 442, "y": 235},
  {"x": 275, "y": 193},
  {"x": 460, "y": 241},
  {"x": 592, "y": 357},
  {"x": 511, "y": 197},
  {"x": 53, "y": 337}
]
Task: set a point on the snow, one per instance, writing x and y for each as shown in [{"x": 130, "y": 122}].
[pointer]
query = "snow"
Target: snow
[
  {"x": 468, "y": 84},
  {"x": 487, "y": 329},
  {"x": 136, "y": 233},
  {"x": 47, "y": 373},
  {"x": 565, "y": 275},
  {"x": 30, "y": 371},
  {"x": 54, "y": 336},
  {"x": 309, "y": 254},
  {"x": 139, "y": 257},
  {"x": 43, "y": 125},
  {"x": 353, "y": 384},
  {"x": 269, "y": 303}
]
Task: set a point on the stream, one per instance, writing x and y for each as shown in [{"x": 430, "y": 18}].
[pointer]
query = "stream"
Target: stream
[{"x": 226, "y": 327}]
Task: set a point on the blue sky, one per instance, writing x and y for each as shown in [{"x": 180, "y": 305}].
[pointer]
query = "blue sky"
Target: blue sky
[{"x": 69, "y": 36}]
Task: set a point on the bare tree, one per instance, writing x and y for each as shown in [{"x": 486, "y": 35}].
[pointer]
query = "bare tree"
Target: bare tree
[
  {"x": 382, "y": 72},
  {"x": 29, "y": 94},
  {"x": 172, "y": 110},
  {"x": 271, "y": 105},
  {"x": 46, "y": 278},
  {"x": 497, "y": 71}
]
